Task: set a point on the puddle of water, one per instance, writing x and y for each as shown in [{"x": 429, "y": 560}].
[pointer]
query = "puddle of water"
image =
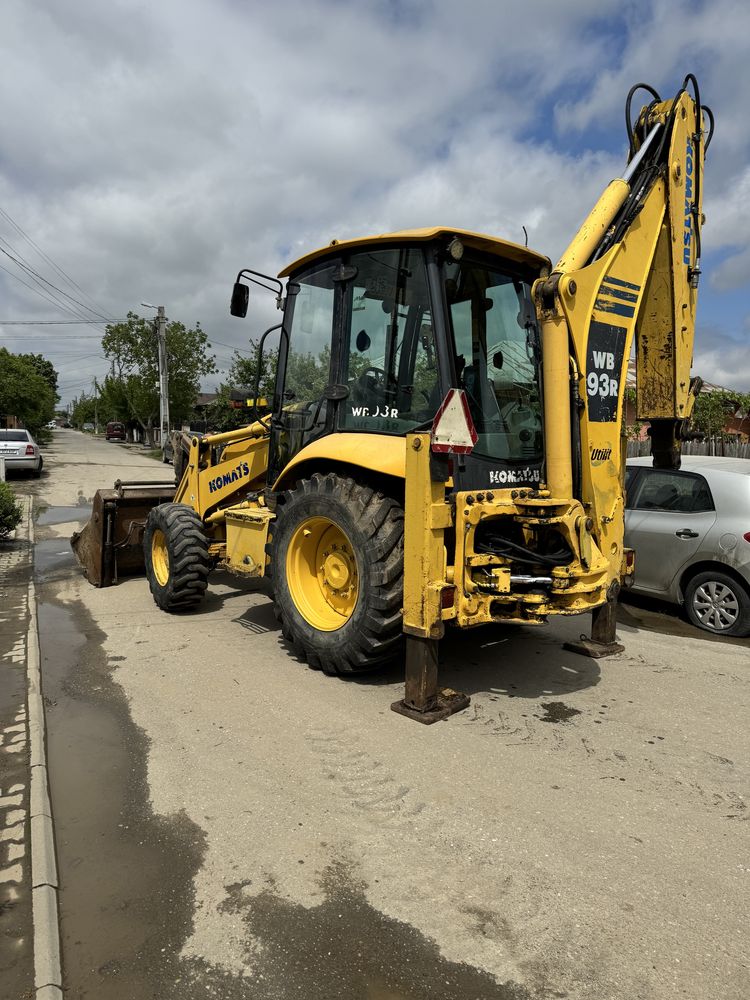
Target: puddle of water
[
  {"x": 127, "y": 895},
  {"x": 343, "y": 948},
  {"x": 126, "y": 875},
  {"x": 53, "y": 560},
  {"x": 60, "y": 515}
]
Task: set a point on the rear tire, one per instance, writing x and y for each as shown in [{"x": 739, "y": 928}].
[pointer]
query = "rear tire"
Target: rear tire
[
  {"x": 337, "y": 572},
  {"x": 175, "y": 548},
  {"x": 718, "y": 603}
]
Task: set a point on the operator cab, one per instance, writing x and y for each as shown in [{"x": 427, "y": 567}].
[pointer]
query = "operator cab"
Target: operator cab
[{"x": 377, "y": 331}]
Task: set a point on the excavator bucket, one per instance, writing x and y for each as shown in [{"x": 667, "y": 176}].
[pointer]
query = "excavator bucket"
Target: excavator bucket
[{"x": 111, "y": 544}]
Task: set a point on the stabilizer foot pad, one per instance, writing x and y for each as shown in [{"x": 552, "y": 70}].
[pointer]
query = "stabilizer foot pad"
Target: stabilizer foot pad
[
  {"x": 590, "y": 647},
  {"x": 448, "y": 703}
]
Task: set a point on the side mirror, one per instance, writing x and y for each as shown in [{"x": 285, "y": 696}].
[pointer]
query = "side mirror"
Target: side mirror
[{"x": 240, "y": 299}]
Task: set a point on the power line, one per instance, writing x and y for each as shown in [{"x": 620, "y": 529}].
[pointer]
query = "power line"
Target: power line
[
  {"x": 76, "y": 336},
  {"x": 49, "y": 260},
  {"x": 43, "y": 294},
  {"x": 30, "y": 270},
  {"x": 55, "y": 322}
]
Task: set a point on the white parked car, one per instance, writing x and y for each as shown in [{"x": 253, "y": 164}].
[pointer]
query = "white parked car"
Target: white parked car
[
  {"x": 20, "y": 451},
  {"x": 691, "y": 533}
]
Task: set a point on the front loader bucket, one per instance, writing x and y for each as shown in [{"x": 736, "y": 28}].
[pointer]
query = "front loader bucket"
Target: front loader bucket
[{"x": 111, "y": 543}]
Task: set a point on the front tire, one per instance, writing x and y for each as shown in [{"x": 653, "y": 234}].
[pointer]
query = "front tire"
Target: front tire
[
  {"x": 337, "y": 572},
  {"x": 175, "y": 548},
  {"x": 718, "y": 603}
]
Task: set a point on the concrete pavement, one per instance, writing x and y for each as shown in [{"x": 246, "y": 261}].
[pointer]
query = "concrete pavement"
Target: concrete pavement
[{"x": 231, "y": 823}]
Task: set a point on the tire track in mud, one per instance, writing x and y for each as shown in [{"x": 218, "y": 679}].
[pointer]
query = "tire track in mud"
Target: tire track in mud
[{"x": 365, "y": 784}]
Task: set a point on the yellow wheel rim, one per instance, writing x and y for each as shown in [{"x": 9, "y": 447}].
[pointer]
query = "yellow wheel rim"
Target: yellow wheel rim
[
  {"x": 160, "y": 557},
  {"x": 321, "y": 573}
]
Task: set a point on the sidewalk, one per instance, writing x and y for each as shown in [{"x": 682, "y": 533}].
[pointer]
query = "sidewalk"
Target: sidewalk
[
  {"x": 16, "y": 952},
  {"x": 29, "y": 930}
]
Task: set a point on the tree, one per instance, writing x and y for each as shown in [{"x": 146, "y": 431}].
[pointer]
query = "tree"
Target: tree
[
  {"x": 243, "y": 373},
  {"x": 24, "y": 393},
  {"x": 306, "y": 377},
  {"x": 44, "y": 367},
  {"x": 712, "y": 410},
  {"x": 134, "y": 378}
]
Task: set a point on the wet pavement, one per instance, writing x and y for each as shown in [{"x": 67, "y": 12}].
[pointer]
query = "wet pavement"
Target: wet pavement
[
  {"x": 231, "y": 824},
  {"x": 126, "y": 887},
  {"x": 666, "y": 619},
  {"x": 16, "y": 973}
]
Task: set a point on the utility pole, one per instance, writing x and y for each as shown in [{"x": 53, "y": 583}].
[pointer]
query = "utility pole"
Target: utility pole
[
  {"x": 96, "y": 408},
  {"x": 161, "y": 333},
  {"x": 161, "y": 337}
]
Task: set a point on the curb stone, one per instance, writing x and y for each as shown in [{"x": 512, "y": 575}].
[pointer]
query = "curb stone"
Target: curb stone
[{"x": 46, "y": 918}]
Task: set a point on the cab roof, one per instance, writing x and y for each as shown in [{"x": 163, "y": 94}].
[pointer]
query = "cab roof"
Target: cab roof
[{"x": 477, "y": 241}]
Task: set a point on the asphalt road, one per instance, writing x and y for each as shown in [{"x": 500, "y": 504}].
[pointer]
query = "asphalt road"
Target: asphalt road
[{"x": 233, "y": 824}]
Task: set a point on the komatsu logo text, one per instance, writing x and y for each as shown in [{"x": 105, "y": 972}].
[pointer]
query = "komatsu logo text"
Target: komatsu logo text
[
  {"x": 239, "y": 472},
  {"x": 688, "y": 231}
]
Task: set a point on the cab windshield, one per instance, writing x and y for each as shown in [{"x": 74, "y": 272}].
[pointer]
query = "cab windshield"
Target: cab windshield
[
  {"x": 390, "y": 361},
  {"x": 496, "y": 354}
]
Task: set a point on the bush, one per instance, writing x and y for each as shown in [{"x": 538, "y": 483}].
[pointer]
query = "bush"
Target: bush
[{"x": 11, "y": 512}]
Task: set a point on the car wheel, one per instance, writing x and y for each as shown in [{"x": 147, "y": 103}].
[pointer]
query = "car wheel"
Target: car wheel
[
  {"x": 716, "y": 602},
  {"x": 38, "y": 470}
]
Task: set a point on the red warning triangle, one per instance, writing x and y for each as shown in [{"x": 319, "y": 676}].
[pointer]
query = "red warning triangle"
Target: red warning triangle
[{"x": 453, "y": 429}]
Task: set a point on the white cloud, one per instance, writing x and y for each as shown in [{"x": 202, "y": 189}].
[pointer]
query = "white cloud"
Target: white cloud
[
  {"x": 154, "y": 150},
  {"x": 723, "y": 360}
]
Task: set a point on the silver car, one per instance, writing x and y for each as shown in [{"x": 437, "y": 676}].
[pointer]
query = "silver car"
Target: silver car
[
  {"x": 20, "y": 451},
  {"x": 691, "y": 533}
]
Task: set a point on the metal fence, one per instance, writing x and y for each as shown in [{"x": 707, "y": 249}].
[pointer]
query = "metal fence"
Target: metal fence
[{"x": 711, "y": 446}]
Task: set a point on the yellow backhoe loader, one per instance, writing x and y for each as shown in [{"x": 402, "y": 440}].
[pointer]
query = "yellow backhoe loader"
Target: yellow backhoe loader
[{"x": 444, "y": 444}]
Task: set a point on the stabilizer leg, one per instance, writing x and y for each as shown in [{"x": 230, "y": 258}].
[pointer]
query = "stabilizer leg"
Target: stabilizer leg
[
  {"x": 423, "y": 700},
  {"x": 603, "y": 641}
]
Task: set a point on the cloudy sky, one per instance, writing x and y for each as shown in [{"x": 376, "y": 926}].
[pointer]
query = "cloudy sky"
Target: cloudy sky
[{"x": 149, "y": 151}]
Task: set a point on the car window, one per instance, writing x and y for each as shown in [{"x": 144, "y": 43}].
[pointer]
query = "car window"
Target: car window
[
  {"x": 630, "y": 473},
  {"x": 14, "y": 435},
  {"x": 662, "y": 489}
]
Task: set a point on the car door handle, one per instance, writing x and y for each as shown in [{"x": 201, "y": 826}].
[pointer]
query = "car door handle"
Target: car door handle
[{"x": 686, "y": 533}]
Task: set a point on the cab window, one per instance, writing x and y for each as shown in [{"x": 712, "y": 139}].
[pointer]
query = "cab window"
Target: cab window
[{"x": 390, "y": 363}]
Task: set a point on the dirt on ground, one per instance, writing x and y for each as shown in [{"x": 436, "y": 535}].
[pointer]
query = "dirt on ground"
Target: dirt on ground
[{"x": 231, "y": 823}]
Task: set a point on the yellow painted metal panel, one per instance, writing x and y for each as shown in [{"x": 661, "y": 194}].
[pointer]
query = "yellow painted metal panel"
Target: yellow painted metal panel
[
  {"x": 479, "y": 241},
  {"x": 246, "y": 537},
  {"x": 424, "y": 542},
  {"x": 381, "y": 453}
]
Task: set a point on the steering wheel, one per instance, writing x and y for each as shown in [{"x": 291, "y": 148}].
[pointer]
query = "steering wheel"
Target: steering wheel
[{"x": 372, "y": 379}]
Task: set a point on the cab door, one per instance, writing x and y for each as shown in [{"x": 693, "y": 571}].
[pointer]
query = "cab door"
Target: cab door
[{"x": 668, "y": 515}]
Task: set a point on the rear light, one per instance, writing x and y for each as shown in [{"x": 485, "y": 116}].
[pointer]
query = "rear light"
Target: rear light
[
  {"x": 746, "y": 536},
  {"x": 447, "y": 597},
  {"x": 29, "y": 449}
]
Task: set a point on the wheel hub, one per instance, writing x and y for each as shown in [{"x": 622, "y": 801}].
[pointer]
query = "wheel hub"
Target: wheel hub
[
  {"x": 337, "y": 570},
  {"x": 160, "y": 557},
  {"x": 322, "y": 574},
  {"x": 716, "y": 606}
]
